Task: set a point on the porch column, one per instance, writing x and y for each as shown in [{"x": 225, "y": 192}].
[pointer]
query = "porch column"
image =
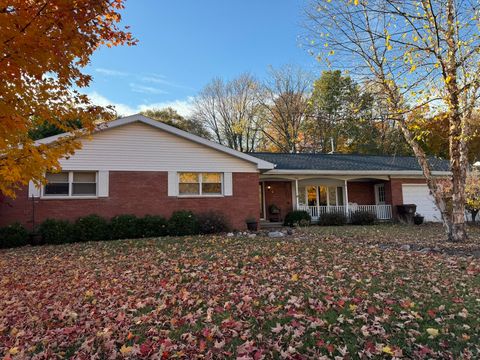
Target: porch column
[
  {"x": 296, "y": 194},
  {"x": 346, "y": 197}
]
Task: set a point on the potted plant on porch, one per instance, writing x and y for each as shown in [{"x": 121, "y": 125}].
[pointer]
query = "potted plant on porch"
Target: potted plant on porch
[{"x": 252, "y": 224}]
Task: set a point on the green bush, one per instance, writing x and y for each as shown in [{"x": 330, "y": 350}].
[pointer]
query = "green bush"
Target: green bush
[
  {"x": 297, "y": 218},
  {"x": 213, "y": 222},
  {"x": 91, "y": 228},
  {"x": 13, "y": 236},
  {"x": 182, "y": 223},
  {"x": 152, "y": 226},
  {"x": 56, "y": 231},
  {"x": 125, "y": 227},
  {"x": 332, "y": 219},
  {"x": 361, "y": 217}
]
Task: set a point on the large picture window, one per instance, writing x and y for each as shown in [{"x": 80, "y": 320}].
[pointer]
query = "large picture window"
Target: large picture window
[
  {"x": 192, "y": 183},
  {"x": 71, "y": 184},
  {"x": 321, "y": 195}
]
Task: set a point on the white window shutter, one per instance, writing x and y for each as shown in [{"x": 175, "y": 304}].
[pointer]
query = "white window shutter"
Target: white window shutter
[
  {"x": 227, "y": 184},
  {"x": 103, "y": 183},
  {"x": 33, "y": 190},
  {"x": 172, "y": 183}
]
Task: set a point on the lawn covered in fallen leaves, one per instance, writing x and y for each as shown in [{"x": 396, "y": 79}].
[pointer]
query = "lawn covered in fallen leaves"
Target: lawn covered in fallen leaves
[{"x": 305, "y": 296}]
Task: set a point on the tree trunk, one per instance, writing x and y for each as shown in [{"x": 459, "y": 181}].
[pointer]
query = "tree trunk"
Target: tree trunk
[
  {"x": 473, "y": 213},
  {"x": 437, "y": 194},
  {"x": 458, "y": 231},
  {"x": 457, "y": 141}
]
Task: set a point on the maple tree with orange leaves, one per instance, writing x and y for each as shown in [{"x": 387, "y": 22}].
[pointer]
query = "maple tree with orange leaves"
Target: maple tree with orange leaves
[{"x": 44, "y": 46}]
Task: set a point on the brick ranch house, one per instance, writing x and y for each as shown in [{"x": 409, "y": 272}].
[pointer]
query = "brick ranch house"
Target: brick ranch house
[{"x": 136, "y": 165}]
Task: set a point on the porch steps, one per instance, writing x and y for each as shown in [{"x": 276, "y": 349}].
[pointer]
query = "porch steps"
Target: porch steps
[{"x": 267, "y": 225}]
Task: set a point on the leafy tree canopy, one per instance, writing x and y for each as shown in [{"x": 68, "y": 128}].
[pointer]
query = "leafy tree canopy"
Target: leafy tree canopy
[
  {"x": 171, "y": 117},
  {"x": 44, "y": 45}
]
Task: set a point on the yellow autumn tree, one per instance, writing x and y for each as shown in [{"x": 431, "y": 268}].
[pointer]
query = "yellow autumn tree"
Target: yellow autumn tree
[
  {"x": 44, "y": 46},
  {"x": 418, "y": 53},
  {"x": 472, "y": 194}
]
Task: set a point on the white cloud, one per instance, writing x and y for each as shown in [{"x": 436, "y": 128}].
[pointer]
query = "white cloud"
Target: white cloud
[
  {"x": 160, "y": 79},
  {"x": 142, "y": 89},
  {"x": 111, "y": 72},
  {"x": 183, "y": 107},
  {"x": 101, "y": 100}
]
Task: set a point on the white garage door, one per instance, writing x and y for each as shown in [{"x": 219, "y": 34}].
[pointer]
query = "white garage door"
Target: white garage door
[{"x": 420, "y": 195}]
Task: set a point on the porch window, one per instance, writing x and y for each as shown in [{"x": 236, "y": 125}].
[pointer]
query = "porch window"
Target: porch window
[
  {"x": 302, "y": 195},
  {"x": 325, "y": 195},
  {"x": 191, "y": 183},
  {"x": 311, "y": 195},
  {"x": 322, "y": 194},
  {"x": 71, "y": 184},
  {"x": 332, "y": 196},
  {"x": 340, "y": 195}
]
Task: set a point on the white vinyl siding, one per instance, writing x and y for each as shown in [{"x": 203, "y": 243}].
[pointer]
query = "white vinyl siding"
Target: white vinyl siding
[{"x": 141, "y": 147}]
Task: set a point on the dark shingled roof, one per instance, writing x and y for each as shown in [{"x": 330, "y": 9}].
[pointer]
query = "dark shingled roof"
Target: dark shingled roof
[{"x": 350, "y": 162}]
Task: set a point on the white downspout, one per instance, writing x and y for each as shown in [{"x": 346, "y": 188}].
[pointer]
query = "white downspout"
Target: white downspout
[
  {"x": 346, "y": 198},
  {"x": 296, "y": 194}
]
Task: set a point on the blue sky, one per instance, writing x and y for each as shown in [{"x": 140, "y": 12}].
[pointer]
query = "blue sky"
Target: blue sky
[{"x": 183, "y": 44}]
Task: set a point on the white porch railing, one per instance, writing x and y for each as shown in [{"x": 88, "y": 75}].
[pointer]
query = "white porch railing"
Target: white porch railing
[{"x": 382, "y": 212}]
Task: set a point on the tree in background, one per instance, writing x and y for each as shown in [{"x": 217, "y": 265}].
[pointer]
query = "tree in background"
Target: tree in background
[
  {"x": 284, "y": 105},
  {"x": 171, "y": 117},
  {"x": 229, "y": 109},
  {"x": 432, "y": 133},
  {"x": 43, "y": 47},
  {"x": 472, "y": 194},
  {"x": 350, "y": 115},
  {"x": 42, "y": 129},
  {"x": 332, "y": 106},
  {"x": 380, "y": 134},
  {"x": 417, "y": 53}
]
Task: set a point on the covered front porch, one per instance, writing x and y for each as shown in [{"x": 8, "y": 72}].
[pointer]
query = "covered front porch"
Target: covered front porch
[{"x": 322, "y": 195}]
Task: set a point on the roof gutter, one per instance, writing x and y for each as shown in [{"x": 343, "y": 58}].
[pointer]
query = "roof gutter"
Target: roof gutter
[{"x": 354, "y": 172}]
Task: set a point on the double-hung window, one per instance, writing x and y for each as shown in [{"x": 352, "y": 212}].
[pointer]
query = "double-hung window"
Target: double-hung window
[
  {"x": 200, "y": 184},
  {"x": 71, "y": 184},
  {"x": 57, "y": 184}
]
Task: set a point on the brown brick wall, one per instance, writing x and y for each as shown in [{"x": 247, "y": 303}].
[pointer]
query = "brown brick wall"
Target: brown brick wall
[
  {"x": 362, "y": 193},
  {"x": 138, "y": 193},
  {"x": 280, "y": 194}
]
